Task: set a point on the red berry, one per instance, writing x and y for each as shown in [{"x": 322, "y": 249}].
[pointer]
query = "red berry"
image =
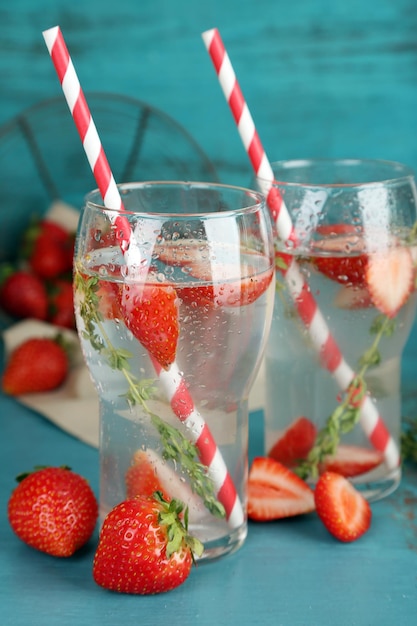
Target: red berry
[
  {"x": 274, "y": 491},
  {"x": 23, "y": 294},
  {"x": 342, "y": 509},
  {"x": 38, "y": 364},
  {"x": 61, "y": 304},
  {"x": 343, "y": 254},
  {"x": 150, "y": 311},
  {"x": 352, "y": 461},
  {"x": 53, "y": 510},
  {"x": 49, "y": 258},
  {"x": 389, "y": 276},
  {"x": 144, "y": 547},
  {"x": 295, "y": 442}
]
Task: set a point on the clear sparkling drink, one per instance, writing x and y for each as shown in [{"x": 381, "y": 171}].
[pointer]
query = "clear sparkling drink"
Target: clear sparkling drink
[
  {"x": 302, "y": 394},
  {"x": 345, "y": 304},
  {"x": 173, "y": 345}
]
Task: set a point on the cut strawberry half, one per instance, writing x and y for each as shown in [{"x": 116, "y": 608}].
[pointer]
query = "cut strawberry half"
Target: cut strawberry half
[
  {"x": 223, "y": 292},
  {"x": 342, "y": 509},
  {"x": 342, "y": 254},
  {"x": 295, "y": 442},
  {"x": 275, "y": 492},
  {"x": 389, "y": 276},
  {"x": 150, "y": 311},
  {"x": 141, "y": 477},
  {"x": 350, "y": 298},
  {"x": 109, "y": 300},
  {"x": 149, "y": 473},
  {"x": 352, "y": 461}
]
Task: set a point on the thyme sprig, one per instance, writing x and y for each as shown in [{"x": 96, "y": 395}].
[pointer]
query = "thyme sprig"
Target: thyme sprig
[
  {"x": 176, "y": 447},
  {"x": 347, "y": 413},
  {"x": 409, "y": 440}
]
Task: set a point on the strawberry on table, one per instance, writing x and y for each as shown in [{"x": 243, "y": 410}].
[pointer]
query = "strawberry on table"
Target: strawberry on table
[
  {"x": 295, "y": 442},
  {"x": 49, "y": 249},
  {"x": 61, "y": 303},
  {"x": 389, "y": 277},
  {"x": 53, "y": 510},
  {"x": 144, "y": 548},
  {"x": 342, "y": 509},
  {"x": 350, "y": 461},
  {"x": 150, "y": 311},
  {"x": 274, "y": 491},
  {"x": 38, "y": 364},
  {"x": 22, "y": 294}
]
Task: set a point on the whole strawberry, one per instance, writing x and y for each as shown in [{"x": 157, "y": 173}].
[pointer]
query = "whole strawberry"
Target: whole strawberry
[
  {"x": 53, "y": 510},
  {"x": 22, "y": 294},
  {"x": 144, "y": 548},
  {"x": 38, "y": 364}
]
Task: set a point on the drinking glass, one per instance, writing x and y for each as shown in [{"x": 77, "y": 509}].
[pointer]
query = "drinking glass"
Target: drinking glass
[
  {"x": 344, "y": 308},
  {"x": 174, "y": 299}
]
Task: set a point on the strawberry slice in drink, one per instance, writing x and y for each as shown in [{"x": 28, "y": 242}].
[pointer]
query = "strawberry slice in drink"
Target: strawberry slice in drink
[
  {"x": 223, "y": 283},
  {"x": 226, "y": 285},
  {"x": 295, "y": 442},
  {"x": 148, "y": 473},
  {"x": 389, "y": 276},
  {"x": 342, "y": 254},
  {"x": 274, "y": 491},
  {"x": 351, "y": 298},
  {"x": 350, "y": 461},
  {"x": 150, "y": 311}
]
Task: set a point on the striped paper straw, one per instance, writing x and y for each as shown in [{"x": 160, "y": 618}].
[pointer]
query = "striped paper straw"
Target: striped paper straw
[
  {"x": 326, "y": 346},
  {"x": 172, "y": 381}
]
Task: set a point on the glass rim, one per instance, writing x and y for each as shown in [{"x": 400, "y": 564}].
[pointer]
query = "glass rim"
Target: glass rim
[
  {"x": 257, "y": 196},
  {"x": 399, "y": 170}
]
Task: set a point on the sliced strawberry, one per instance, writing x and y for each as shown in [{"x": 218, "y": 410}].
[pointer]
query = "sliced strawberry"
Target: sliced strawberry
[
  {"x": 150, "y": 311},
  {"x": 342, "y": 509},
  {"x": 389, "y": 276},
  {"x": 295, "y": 442},
  {"x": 184, "y": 254},
  {"x": 352, "y": 461},
  {"x": 274, "y": 491},
  {"x": 224, "y": 293},
  {"x": 61, "y": 303},
  {"x": 141, "y": 477},
  {"x": 149, "y": 473},
  {"x": 353, "y": 297},
  {"x": 344, "y": 259},
  {"x": 108, "y": 294}
]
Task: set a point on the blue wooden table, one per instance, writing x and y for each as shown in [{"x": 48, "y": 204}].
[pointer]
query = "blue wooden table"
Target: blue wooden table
[{"x": 289, "y": 572}]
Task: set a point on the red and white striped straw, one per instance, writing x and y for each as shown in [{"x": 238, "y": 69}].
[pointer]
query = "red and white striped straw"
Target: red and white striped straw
[
  {"x": 326, "y": 346},
  {"x": 172, "y": 381}
]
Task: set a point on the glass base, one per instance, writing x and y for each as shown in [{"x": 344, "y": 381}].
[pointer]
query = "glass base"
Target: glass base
[
  {"x": 375, "y": 487},
  {"x": 220, "y": 546}
]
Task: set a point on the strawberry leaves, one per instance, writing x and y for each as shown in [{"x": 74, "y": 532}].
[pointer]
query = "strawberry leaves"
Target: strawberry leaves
[{"x": 144, "y": 547}]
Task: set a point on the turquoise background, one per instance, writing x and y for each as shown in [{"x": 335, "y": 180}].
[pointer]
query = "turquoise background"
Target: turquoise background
[{"x": 321, "y": 77}]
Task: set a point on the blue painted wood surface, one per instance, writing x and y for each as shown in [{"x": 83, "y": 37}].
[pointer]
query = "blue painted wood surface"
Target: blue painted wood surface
[{"x": 322, "y": 78}]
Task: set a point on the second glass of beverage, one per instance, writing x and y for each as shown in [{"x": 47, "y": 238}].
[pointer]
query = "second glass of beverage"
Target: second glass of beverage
[
  {"x": 344, "y": 308},
  {"x": 174, "y": 298}
]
